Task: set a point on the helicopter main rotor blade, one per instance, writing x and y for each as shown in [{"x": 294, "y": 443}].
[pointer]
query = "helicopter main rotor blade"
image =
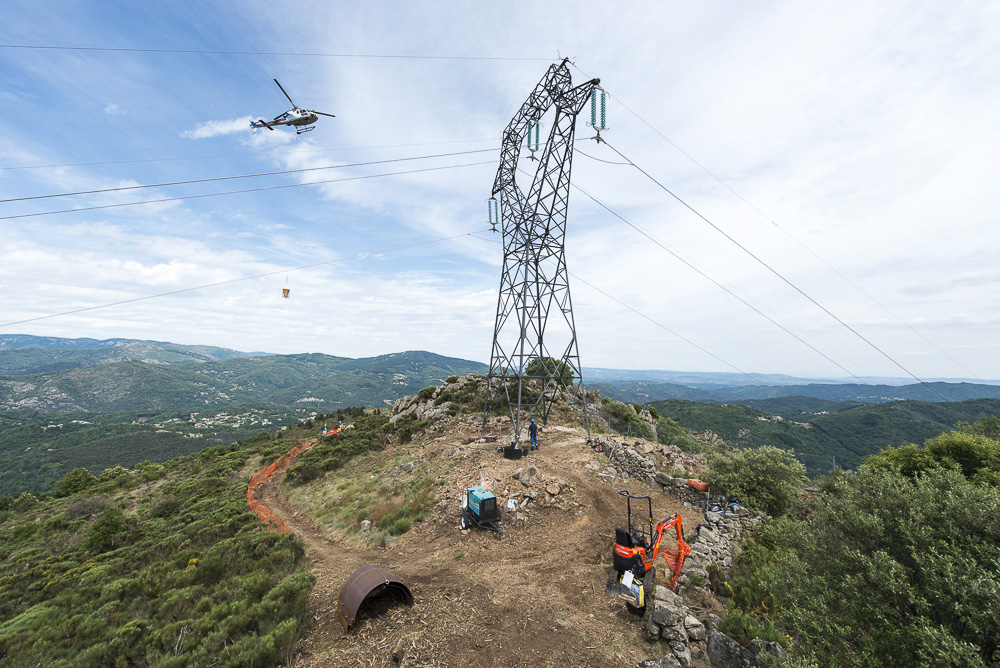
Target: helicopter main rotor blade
[
  {"x": 286, "y": 94},
  {"x": 322, "y": 113}
]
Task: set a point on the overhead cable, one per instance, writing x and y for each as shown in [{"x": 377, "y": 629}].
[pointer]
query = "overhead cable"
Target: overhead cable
[
  {"x": 46, "y": 47},
  {"x": 247, "y": 190},
  {"x": 244, "y": 155},
  {"x": 783, "y": 230},
  {"x": 721, "y": 286},
  {"x": 775, "y": 272},
  {"x": 245, "y": 176},
  {"x": 642, "y": 315}
]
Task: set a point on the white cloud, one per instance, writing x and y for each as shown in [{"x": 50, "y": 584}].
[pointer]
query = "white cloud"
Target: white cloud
[
  {"x": 218, "y": 128},
  {"x": 865, "y": 130},
  {"x": 114, "y": 110}
]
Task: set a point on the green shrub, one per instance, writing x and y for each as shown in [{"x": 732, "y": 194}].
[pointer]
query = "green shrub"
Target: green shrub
[
  {"x": 24, "y": 501},
  {"x": 550, "y": 369},
  {"x": 74, "y": 481},
  {"x": 107, "y": 532},
  {"x": 909, "y": 550},
  {"x": 975, "y": 455},
  {"x": 451, "y": 379},
  {"x": 427, "y": 392},
  {"x": 114, "y": 473},
  {"x": 764, "y": 478}
]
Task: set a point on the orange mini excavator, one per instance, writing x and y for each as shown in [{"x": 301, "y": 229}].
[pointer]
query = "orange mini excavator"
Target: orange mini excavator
[{"x": 633, "y": 574}]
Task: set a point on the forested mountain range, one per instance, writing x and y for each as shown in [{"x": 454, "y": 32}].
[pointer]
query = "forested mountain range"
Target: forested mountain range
[
  {"x": 643, "y": 392},
  {"x": 845, "y": 431},
  {"x": 144, "y": 376},
  {"x": 23, "y": 354},
  {"x": 67, "y": 403}
]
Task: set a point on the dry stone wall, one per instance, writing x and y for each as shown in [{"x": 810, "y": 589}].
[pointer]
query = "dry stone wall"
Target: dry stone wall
[{"x": 690, "y": 634}]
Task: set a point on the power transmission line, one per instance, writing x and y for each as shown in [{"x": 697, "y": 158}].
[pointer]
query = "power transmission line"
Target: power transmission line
[
  {"x": 775, "y": 272},
  {"x": 244, "y": 155},
  {"x": 238, "y": 280},
  {"x": 247, "y": 190},
  {"x": 721, "y": 285},
  {"x": 44, "y": 47},
  {"x": 786, "y": 232},
  {"x": 244, "y": 176},
  {"x": 642, "y": 315}
]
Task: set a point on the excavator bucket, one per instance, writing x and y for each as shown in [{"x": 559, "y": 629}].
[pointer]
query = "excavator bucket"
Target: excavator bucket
[{"x": 365, "y": 585}]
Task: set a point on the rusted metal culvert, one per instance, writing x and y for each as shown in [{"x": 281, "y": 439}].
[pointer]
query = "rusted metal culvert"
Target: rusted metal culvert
[{"x": 365, "y": 585}]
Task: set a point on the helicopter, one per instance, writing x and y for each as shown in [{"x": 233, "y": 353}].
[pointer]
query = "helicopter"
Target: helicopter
[{"x": 301, "y": 119}]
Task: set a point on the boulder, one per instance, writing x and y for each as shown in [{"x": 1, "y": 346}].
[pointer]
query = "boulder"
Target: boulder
[
  {"x": 666, "y": 614},
  {"x": 724, "y": 652},
  {"x": 664, "y": 479},
  {"x": 695, "y": 629},
  {"x": 650, "y": 631},
  {"x": 768, "y": 648},
  {"x": 667, "y": 661},
  {"x": 553, "y": 488},
  {"x": 667, "y": 595},
  {"x": 681, "y": 653},
  {"x": 527, "y": 475}
]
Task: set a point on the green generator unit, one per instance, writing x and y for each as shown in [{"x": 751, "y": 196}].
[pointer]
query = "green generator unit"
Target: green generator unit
[{"x": 479, "y": 508}]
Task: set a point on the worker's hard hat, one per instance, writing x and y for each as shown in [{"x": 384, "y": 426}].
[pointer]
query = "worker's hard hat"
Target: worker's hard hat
[{"x": 532, "y": 420}]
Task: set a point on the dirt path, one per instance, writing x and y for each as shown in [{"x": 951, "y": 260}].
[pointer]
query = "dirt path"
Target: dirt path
[{"x": 536, "y": 598}]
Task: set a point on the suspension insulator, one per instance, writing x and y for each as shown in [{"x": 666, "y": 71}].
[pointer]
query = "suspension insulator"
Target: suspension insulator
[
  {"x": 604, "y": 109},
  {"x": 593, "y": 108},
  {"x": 538, "y": 129}
]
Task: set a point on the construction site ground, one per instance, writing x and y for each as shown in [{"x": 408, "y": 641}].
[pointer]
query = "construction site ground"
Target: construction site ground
[{"x": 534, "y": 598}]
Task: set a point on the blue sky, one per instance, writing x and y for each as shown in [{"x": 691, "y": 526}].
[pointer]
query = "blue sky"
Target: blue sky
[{"x": 860, "y": 133}]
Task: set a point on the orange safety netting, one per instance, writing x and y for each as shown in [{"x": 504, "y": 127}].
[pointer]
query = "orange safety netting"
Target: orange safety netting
[
  {"x": 265, "y": 514},
  {"x": 675, "y": 556}
]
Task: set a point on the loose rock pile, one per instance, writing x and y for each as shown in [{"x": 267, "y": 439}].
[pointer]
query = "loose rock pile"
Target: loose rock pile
[
  {"x": 429, "y": 408},
  {"x": 647, "y": 462}
]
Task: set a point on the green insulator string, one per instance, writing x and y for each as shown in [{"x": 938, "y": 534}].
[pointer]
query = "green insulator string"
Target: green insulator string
[
  {"x": 593, "y": 108},
  {"x": 604, "y": 108},
  {"x": 493, "y": 208},
  {"x": 533, "y": 145}
]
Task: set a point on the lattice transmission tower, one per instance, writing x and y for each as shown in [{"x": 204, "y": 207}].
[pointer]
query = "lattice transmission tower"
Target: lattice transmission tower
[{"x": 535, "y": 357}]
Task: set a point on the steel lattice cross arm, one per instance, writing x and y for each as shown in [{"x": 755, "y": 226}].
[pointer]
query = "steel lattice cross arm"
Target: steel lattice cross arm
[{"x": 534, "y": 358}]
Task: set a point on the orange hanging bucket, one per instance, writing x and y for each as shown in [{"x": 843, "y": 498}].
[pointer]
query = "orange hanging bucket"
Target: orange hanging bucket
[{"x": 284, "y": 292}]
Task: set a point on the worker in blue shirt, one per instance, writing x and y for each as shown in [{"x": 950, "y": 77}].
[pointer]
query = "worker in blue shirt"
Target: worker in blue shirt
[{"x": 533, "y": 430}]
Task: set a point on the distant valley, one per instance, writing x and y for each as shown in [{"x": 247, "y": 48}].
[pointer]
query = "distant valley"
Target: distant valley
[
  {"x": 643, "y": 392},
  {"x": 67, "y": 403}
]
